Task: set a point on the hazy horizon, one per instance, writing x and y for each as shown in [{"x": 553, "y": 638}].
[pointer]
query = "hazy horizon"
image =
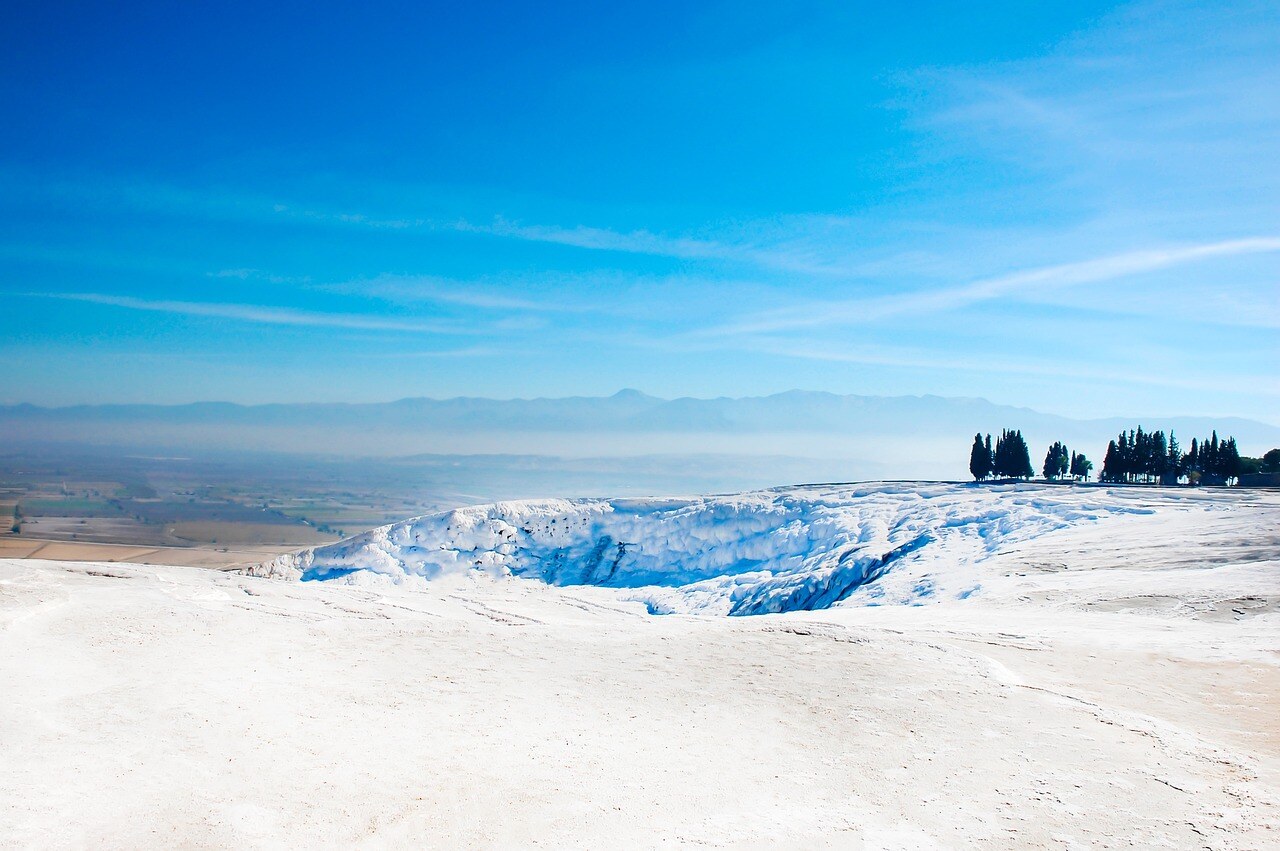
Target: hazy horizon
[
  {"x": 625, "y": 391},
  {"x": 779, "y": 438}
]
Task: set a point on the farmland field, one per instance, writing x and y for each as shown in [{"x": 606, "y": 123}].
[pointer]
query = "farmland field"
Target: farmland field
[
  {"x": 231, "y": 532},
  {"x": 218, "y": 557},
  {"x": 264, "y": 499}
]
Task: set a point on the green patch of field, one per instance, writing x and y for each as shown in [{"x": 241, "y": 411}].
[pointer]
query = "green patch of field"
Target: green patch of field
[
  {"x": 68, "y": 507},
  {"x": 136, "y": 490},
  {"x": 200, "y": 511},
  {"x": 69, "y": 487}
]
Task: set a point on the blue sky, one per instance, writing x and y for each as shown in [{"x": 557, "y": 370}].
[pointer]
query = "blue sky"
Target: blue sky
[{"x": 1073, "y": 207}]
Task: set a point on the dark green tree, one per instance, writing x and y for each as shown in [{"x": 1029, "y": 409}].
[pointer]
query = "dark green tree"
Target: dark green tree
[
  {"x": 1229, "y": 460},
  {"x": 1080, "y": 467},
  {"x": 1210, "y": 464},
  {"x": 980, "y": 458},
  {"x": 1013, "y": 458},
  {"x": 1056, "y": 461},
  {"x": 1157, "y": 456},
  {"x": 1000, "y": 456},
  {"x": 1173, "y": 461},
  {"x": 1191, "y": 461},
  {"x": 1138, "y": 455},
  {"x": 1111, "y": 463}
]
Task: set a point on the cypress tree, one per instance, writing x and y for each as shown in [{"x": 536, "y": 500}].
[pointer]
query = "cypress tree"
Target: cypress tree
[
  {"x": 1138, "y": 461},
  {"x": 1056, "y": 461},
  {"x": 1209, "y": 463},
  {"x": 1156, "y": 455},
  {"x": 979, "y": 459},
  {"x": 1020, "y": 457},
  {"x": 1230, "y": 463},
  {"x": 1111, "y": 462},
  {"x": 1123, "y": 453}
]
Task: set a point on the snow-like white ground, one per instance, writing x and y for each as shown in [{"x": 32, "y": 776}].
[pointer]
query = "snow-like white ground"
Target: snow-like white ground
[
  {"x": 1111, "y": 681},
  {"x": 784, "y": 549}
]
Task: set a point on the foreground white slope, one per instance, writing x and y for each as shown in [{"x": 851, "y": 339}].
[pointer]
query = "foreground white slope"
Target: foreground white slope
[
  {"x": 1113, "y": 684},
  {"x": 785, "y": 549}
]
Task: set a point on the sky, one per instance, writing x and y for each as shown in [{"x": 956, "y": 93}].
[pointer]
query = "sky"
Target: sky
[{"x": 1069, "y": 206}]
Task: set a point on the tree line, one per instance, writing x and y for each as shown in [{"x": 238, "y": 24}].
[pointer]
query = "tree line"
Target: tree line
[
  {"x": 1061, "y": 463},
  {"x": 1008, "y": 459},
  {"x": 1134, "y": 456},
  {"x": 1148, "y": 457}
]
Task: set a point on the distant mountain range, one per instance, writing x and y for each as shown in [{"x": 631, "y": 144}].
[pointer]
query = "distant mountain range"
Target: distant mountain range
[{"x": 862, "y": 436}]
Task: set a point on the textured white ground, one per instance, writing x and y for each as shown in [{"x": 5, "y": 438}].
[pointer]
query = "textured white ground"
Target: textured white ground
[
  {"x": 1114, "y": 683},
  {"x": 782, "y": 549}
]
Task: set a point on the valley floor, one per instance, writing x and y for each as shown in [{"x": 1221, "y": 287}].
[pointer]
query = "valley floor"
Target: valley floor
[{"x": 1115, "y": 684}]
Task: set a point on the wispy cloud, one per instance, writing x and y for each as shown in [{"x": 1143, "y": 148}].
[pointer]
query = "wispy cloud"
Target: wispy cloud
[
  {"x": 341, "y": 218},
  {"x": 1158, "y": 105},
  {"x": 950, "y": 362},
  {"x": 578, "y": 299},
  {"x": 601, "y": 239},
  {"x": 813, "y": 244},
  {"x": 428, "y": 288},
  {"x": 785, "y": 248},
  {"x": 440, "y": 354},
  {"x": 258, "y": 275},
  {"x": 264, "y": 314},
  {"x": 1019, "y": 284}
]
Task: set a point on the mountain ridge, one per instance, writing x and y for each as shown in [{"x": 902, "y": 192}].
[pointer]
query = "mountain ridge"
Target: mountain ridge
[
  {"x": 627, "y": 395},
  {"x": 924, "y": 436}
]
